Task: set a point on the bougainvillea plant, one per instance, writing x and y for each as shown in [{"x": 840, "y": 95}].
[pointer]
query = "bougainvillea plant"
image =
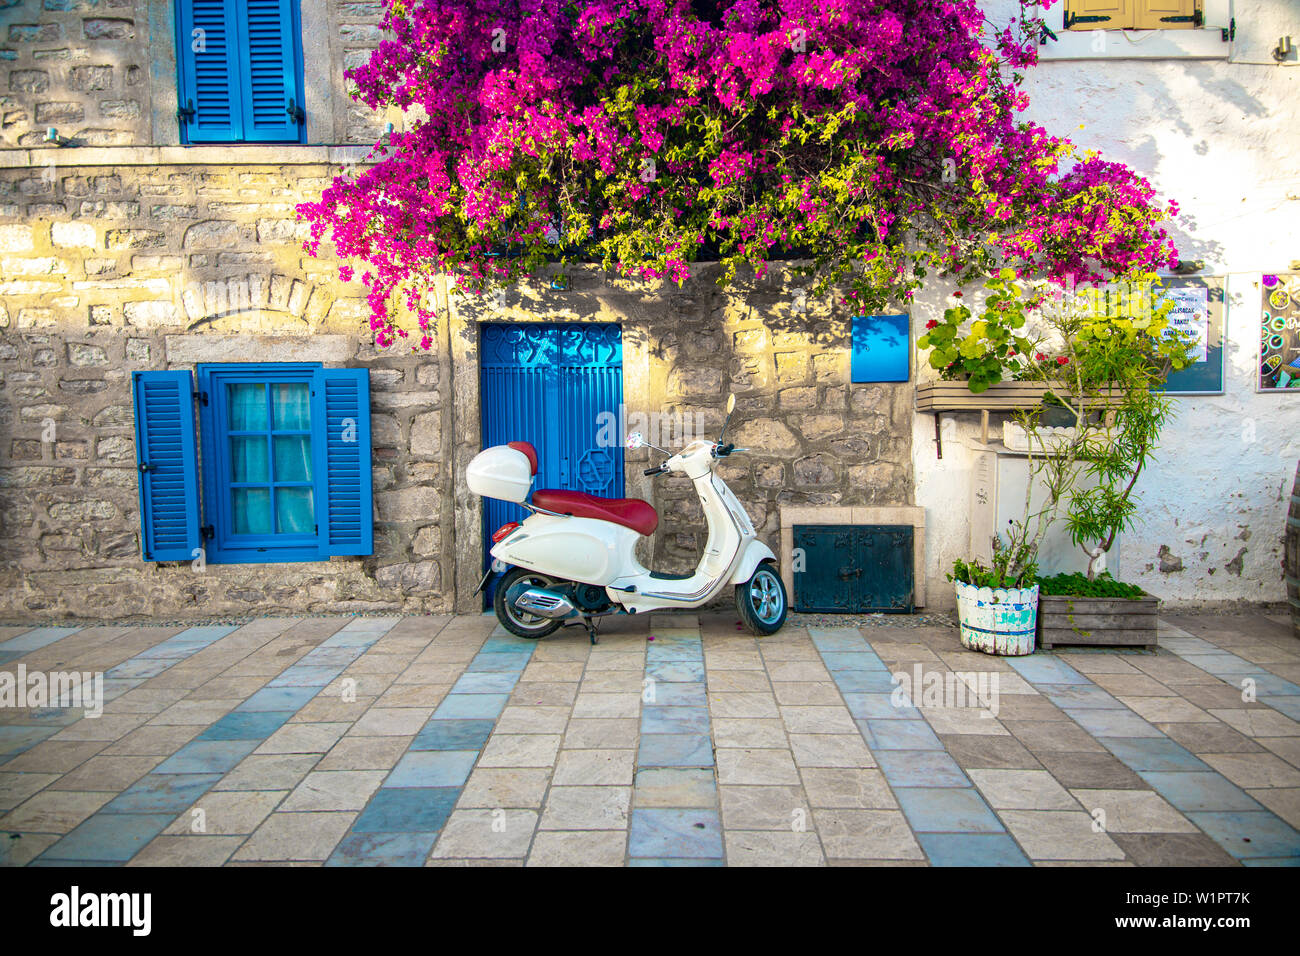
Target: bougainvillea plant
[{"x": 877, "y": 141}]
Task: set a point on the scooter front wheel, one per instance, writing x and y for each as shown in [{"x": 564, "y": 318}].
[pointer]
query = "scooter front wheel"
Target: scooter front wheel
[
  {"x": 517, "y": 622},
  {"x": 761, "y": 601}
]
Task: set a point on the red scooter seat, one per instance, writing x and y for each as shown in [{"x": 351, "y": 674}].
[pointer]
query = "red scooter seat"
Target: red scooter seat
[{"x": 632, "y": 513}]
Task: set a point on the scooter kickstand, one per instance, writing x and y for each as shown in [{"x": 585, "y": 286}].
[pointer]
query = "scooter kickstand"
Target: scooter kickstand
[{"x": 591, "y": 630}]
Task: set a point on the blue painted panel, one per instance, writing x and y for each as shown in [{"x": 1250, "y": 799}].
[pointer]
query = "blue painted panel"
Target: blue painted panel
[
  {"x": 881, "y": 348},
  {"x": 342, "y": 420},
  {"x": 271, "y": 67},
  {"x": 207, "y": 45},
  {"x": 548, "y": 384},
  {"x": 168, "y": 466}
]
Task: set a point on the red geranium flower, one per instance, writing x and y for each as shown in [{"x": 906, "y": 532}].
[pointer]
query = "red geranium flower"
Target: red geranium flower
[
  {"x": 933, "y": 323},
  {"x": 1061, "y": 360}
]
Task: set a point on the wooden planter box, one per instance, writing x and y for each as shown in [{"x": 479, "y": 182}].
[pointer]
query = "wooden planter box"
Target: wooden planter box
[
  {"x": 957, "y": 397},
  {"x": 1107, "y": 622}
]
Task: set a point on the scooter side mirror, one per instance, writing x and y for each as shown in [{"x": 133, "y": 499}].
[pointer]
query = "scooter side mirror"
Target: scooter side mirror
[
  {"x": 731, "y": 407},
  {"x": 635, "y": 440}
]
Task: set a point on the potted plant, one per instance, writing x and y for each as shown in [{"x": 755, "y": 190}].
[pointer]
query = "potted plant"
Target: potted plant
[
  {"x": 997, "y": 606},
  {"x": 1113, "y": 359}
]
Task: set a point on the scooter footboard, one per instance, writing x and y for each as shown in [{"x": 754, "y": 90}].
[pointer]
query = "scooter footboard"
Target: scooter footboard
[{"x": 756, "y": 552}]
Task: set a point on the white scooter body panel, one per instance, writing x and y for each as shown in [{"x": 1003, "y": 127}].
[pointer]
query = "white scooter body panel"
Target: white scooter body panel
[{"x": 575, "y": 549}]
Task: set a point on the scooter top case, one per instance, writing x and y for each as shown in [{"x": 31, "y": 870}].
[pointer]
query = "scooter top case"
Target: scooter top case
[{"x": 504, "y": 472}]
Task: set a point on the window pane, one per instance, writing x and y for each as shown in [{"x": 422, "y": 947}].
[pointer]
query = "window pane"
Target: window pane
[
  {"x": 251, "y": 510},
  {"x": 248, "y": 459},
  {"x": 293, "y": 458},
  {"x": 294, "y": 513},
  {"x": 247, "y": 407},
  {"x": 292, "y": 401}
]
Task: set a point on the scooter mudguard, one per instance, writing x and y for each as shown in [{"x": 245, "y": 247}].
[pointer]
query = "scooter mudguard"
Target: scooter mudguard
[{"x": 756, "y": 552}]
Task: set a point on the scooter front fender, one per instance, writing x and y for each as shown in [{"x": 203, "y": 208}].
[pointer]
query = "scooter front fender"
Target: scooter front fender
[{"x": 756, "y": 552}]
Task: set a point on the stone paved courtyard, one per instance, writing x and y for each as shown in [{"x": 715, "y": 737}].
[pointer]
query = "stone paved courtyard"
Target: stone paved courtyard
[{"x": 677, "y": 740}]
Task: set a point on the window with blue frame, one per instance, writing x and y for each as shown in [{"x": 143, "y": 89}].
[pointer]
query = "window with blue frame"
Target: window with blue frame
[
  {"x": 239, "y": 65},
  {"x": 285, "y": 474}
]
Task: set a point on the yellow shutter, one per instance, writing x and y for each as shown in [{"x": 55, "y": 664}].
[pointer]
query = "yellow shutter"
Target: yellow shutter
[
  {"x": 1157, "y": 14},
  {"x": 1100, "y": 14}
]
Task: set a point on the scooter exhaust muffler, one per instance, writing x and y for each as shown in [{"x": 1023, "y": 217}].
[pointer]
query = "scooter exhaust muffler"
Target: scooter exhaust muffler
[{"x": 545, "y": 603}]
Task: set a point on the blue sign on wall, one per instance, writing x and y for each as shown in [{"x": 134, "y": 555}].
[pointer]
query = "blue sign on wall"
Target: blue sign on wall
[{"x": 882, "y": 348}]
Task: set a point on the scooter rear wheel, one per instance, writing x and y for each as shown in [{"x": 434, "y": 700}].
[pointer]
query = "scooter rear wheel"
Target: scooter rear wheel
[
  {"x": 517, "y": 622},
  {"x": 762, "y": 602}
]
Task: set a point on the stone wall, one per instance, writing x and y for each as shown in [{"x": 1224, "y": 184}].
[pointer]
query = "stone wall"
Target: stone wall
[
  {"x": 103, "y": 72},
  {"x": 104, "y": 270}
]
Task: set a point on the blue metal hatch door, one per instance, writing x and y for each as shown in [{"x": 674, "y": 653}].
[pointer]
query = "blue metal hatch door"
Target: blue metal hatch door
[{"x": 559, "y": 387}]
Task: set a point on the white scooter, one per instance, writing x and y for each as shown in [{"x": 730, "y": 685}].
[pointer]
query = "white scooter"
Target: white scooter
[{"x": 574, "y": 557}]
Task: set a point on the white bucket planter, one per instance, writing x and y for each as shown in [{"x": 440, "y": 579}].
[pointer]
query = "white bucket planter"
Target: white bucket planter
[{"x": 998, "y": 620}]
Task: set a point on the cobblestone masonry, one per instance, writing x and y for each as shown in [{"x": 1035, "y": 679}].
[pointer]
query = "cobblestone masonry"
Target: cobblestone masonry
[{"x": 104, "y": 270}]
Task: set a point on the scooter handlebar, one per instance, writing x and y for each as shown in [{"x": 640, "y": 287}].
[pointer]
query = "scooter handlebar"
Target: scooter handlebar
[{"x": 651, "y": 472}]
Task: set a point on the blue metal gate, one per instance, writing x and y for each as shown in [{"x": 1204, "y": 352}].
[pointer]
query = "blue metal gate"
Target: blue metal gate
[{"x": 559, "y": 387}]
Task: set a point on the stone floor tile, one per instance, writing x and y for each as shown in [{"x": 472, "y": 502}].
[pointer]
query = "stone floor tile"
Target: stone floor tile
[
  {"x": 511, "y": 788},
  {"x": 1167, "y": 710},
  {"x": 744, "y": 705},
  {"x": 227, "y": 813},
  {"x": 866, "y": 834},
  {"x": 296, "y": 836},
  {"x": 207, "y": 756},
  {"x": 586, "y": 808},
  {"x": 694, "y": 833},
  {"x": 947, "y": 810},
  {"x": 614, "y": 733},
  {"x": 186, "y": 850},
  {"x": 972, "y": 849},
  {"x": 763, "y": 807},
  {"x": 383, "y": 849},
  {"x": 366, "y": 753},
  {"x": 102, "y": 773},
  {"x": 391, "y": 722},
  {"x": 1248, "y": 834},
  {"x": 1216, "y": 737},
  {"x": 109, "y": 838},
  {"x": 1093, "y": 770},
  {"x": 846, "y": 788},
  {"x": 520, "y": 750},
  {"x": 749, "y": 733},
  {"x": 901, "y": 735},
  {"x": 334, "y": 790},
  {"x": 974, "y": 721},
  {"x": 1254, "y": 770},
  {"x": 1259, "y": 722},
  {"x": 818, "y": 720},
  {"x": 805, "y": 670},
  {"x": 920, "y": 768},
  {"x": 575, "y": 848},
  {"x": 594, "y": 767},
  {"x": 486, "y": 833},
  {"x": 1131, "y": 684},
  {"x": 1172, "y": 849},
  {"x": 268, "y": 772},
  {"x": 407, "y": 810},
  {"x": 303, "y": 738},
  {"x": 17, "y": 787},
  {"x": 54, "y": 811},
  {"x": 830, "y": 750},
  {"x": 1022, "y": 790},
  {"x": 1113, "y": 723},
  {"x": 1052, "y": 736},
  {"x": 773, "y": 848},
  {"x": 756, "y": 766},
  {"x": 1193, "y": 790},
  {"x": 1133, "y": 811},
  {"x": 432, "y": 768},
  {"x": 738, "y": 682},
  {"x": 518, "y": 719},
  {"x": 1060, "y": 835},
  {"x": 981, "y": 750},
  {"x": 679, "y": 787}
]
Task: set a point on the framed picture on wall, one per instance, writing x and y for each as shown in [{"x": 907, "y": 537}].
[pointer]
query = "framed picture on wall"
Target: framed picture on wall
[
  {"x": 1279, "y": 333},
  {"x": 882, "y": 348},
  {"x": 1200, "y": 307}
]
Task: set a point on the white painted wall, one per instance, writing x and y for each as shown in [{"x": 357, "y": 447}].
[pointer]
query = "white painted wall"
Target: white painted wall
[{"x": 1222, "y": 137}]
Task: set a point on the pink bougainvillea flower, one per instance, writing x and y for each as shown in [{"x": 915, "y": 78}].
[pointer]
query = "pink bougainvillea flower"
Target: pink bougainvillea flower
[{"x": 876, "y": 141}]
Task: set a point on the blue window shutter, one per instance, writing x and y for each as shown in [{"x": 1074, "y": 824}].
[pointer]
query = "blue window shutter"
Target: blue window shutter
[
  {"x": 271, "y": 92},
  {"x": 210, "y": 84},
  {"x": 168, "y": 466},
  {"x": 341, "y": 415}
]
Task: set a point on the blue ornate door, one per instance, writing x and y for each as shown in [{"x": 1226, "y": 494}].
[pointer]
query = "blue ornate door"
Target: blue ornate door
[{"x": 559, "y": 387}]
